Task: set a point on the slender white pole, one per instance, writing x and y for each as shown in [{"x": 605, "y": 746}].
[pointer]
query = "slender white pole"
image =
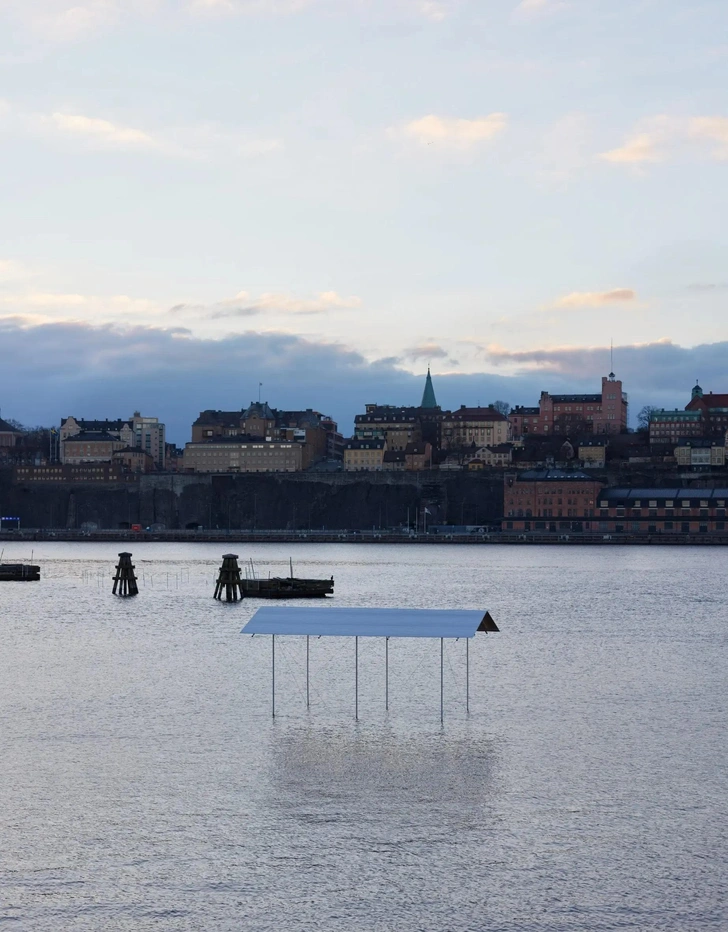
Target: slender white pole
[
  {"x": 442, "y": 679},
  {"x": 273, "y": 674},
  {"x": 308, "y": 693},
  {"x": 356, "y": 679},
  {"x": 467, "y": 674},
  {"x": 386, "y": 674}
]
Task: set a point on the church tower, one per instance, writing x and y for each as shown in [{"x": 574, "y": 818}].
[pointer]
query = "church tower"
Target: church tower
[{"x": 428, "y": 396}]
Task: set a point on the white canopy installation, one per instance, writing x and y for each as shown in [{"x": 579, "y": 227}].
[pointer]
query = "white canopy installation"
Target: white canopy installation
[{"x": 371, "y": 622}]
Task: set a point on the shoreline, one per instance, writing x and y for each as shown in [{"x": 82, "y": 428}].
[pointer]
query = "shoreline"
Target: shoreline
[{"x": 362, "y": 537}]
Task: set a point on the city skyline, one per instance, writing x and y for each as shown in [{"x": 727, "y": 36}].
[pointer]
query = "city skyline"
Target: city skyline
[{"x": 327, "y": 196}]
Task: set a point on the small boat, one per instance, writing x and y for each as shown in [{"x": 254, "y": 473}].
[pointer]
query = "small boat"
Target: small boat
[
  {"x": 19, "y": 572},
  {"x": 285, "y": 587}
]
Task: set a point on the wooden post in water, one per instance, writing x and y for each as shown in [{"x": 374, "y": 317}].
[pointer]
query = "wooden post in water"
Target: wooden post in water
[
  {"x": 229, "y": 583},
  {"x": 125, "y": 582}
]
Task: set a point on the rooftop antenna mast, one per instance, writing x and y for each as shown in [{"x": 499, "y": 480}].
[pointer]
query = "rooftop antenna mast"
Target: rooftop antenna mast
[{"x": 260, "y": 385}]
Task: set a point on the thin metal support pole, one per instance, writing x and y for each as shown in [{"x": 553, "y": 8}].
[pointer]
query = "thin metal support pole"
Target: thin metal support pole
[
  {"x": 467, "y": 674},
  {"x": 308, "y": 692},
  {"x": 273, "y": 675},
  {"x": 386, "y": 674},
  {"x": 442, "y": 679},
  {"x": 356, "y": 679}
]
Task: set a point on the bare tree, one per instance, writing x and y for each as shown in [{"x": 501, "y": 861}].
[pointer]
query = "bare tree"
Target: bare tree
[
  {"x": 643, "y": 418},
  {"x": 502, "y": 407}
]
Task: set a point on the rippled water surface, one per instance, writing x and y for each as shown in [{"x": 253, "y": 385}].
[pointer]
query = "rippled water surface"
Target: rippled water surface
[{"x": 144, "y": 784}]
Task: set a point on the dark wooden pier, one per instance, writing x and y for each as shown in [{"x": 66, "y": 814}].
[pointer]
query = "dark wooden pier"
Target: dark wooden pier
[
  {"x": 125, "y": 582},
  {"x": 229, "y": 582}
]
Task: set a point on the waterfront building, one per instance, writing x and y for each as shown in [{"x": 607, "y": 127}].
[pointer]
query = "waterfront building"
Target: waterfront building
[
  {"x": 600, "y": 413},
  {"x": 700, "y": 453},
  {"x": 474, "y": 426},
  {"x": 261, "y": 422},
  {"x": 91, "y": 446},
  {"x": 232, "y": 455},
  {"x": 524, "y": 420},
  {"x": 668, "y": 427},
  {"x": 714, "y": 411},
  {"x": 500, "y": 455},
  {"x": 593, "y": 453},
  {"x": 82, "y": 473},
  {"x": 418, "y": 456},
  {"x": 9, "y": 436},
  {"x": 133, "y": 459},
  {"x": 150, "y": 436},
  {"x": 549, "y": 500},
  {"x": 398, "y": 426},
  {"x": 662, "y": 511},
  {"x": 212, "y": 425},
  {"x": 364, "y": 454},
  {"x": 393, "y": 461},
  {"x": 144, "y": 433}
]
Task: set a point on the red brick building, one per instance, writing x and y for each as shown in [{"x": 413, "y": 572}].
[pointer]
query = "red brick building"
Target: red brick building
[
  {"x": 670, "y": 427},
  {"x": 603, "y": 413},
  {"x": 714, "y": 411},
  {"x": 550, "y": 500},
  {"x": 662, "y": 511}
]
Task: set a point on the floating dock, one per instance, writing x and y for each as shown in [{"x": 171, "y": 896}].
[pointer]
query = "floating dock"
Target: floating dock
[{"x": 19, "y": 572}]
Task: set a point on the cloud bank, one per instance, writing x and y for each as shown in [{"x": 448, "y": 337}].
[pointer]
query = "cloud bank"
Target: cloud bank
[{"x": 108, "y": 371}]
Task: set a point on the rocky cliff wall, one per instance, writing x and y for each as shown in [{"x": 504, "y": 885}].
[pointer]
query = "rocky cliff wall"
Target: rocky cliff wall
[{"x": 263, "y": 501}]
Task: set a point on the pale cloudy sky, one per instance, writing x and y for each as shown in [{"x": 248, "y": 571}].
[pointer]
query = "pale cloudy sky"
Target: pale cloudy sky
[{"x": 346, "y": 190}]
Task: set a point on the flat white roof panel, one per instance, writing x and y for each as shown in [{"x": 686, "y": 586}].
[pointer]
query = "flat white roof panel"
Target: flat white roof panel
[{"x": 368, "y": 622}]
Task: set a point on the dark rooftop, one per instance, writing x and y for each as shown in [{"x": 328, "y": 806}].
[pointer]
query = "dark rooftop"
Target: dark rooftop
[
  {"x": 355, "y": 444},
  {"x": 554, "y": 475},
  {"x": 464, "y": 413},
  {"x": 671, "y": 494},
  {"x": 106, "y": 424},
  {"x": 93, "y": 435},
  {"x": 566, "y": 399}
]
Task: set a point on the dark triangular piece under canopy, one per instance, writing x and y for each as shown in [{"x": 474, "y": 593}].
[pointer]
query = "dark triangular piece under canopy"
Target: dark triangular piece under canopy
[{"x": 487, "y": 624}]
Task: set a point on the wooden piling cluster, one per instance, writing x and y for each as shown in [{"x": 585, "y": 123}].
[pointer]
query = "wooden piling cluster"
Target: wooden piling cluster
[
  {"x": 125, "y": 582},
  {"x": 229, "y": 582}
]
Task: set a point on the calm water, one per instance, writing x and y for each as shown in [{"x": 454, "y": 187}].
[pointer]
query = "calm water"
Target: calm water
[{"x": 143, "y": 784}]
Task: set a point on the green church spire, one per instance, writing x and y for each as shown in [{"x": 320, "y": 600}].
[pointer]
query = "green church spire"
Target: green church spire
[{"x": 428, "y": 396}]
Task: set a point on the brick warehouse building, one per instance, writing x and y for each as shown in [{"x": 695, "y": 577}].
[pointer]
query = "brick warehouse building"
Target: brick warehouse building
[
  {"x": 550, "y": 500},
  {"x": 662, "y": 511}
]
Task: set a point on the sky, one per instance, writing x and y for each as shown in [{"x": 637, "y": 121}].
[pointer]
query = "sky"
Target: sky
[{"x": 327, "y": 196}]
